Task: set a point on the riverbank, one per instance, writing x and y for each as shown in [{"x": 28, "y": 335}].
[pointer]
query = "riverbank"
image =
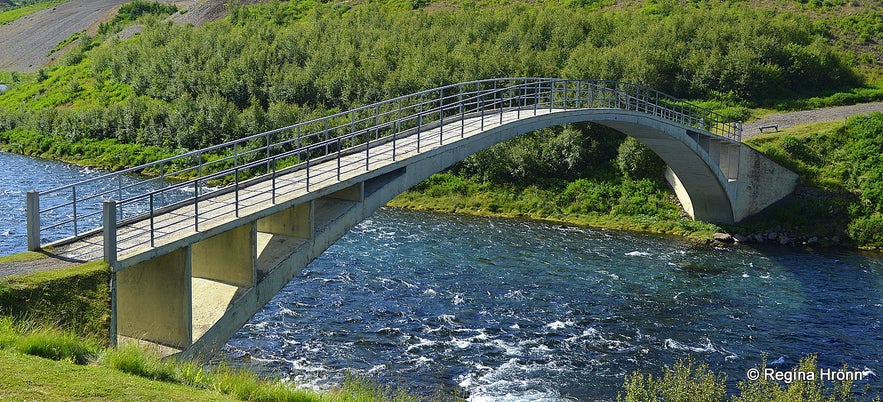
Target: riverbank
[{"x": 53, "y": 345}]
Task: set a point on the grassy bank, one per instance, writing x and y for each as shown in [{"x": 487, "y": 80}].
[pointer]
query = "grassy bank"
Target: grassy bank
[
  {"x": 642, "y": 205},
  {"x": 841, "y": 182},
  {"x": 53, "y": 346},
  {"x": 75, "y": 298}
]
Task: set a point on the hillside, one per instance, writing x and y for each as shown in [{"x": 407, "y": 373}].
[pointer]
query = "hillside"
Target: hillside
[{"x": 112, "y": 102}]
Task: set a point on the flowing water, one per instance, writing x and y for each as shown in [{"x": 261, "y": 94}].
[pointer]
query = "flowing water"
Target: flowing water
[{"x": 509, "y": 310}]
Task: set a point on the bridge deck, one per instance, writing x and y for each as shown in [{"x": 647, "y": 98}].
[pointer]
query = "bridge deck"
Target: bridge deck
[{"x": 215, "y": 210}]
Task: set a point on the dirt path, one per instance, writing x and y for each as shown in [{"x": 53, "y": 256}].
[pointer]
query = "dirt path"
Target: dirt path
[
  {"x": 785, "y": 120},
  {"x": 26, "y": 43},
  {"x": 50, "y": 263}
]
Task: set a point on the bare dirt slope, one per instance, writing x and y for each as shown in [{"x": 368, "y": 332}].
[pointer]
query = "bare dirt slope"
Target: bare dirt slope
[{"x": 26, "y": 43}]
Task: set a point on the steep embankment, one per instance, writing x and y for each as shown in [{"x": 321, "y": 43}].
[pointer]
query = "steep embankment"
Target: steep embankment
[{"x": 29, "y": 43}]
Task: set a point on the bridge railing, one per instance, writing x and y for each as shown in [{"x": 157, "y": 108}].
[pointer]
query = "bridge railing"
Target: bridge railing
[{"x": 142, "y": 192}]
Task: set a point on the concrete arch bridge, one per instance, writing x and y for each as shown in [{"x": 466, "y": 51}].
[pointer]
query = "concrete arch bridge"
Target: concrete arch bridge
[{"x": 215, "y": 233}]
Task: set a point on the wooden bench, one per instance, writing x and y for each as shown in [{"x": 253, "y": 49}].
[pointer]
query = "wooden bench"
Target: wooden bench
[{"x": 767, "y": 127}]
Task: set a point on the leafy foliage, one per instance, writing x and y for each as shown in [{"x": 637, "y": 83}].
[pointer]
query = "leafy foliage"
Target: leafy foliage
[
  {"x": 188, "y": 87},
  {"x": 689, "y": 381},
  {"x": 637, "y": 161}
]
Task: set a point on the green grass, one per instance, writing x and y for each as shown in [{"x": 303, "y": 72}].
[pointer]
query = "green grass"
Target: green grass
[
  {"x": 840, "y": 172},
  {"x": 22, "y": 257},
  {"x": 13, "y": 14},
  {"x": 76, "y": 298},
  {"x": 53, "y": 331},
  {"x": 28, "y": 377}
]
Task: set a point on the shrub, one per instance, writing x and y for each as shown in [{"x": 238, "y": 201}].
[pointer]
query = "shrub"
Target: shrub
[
  {"x": 637, "y": 161},
  {"x": 686, "y": 381}
]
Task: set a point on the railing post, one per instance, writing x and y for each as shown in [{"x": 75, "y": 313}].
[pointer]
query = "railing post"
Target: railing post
[
  {"x": 419, "y": 122},
  {"x": 236, "y": 190},
  {"x": 33, "y": 207},
  {"x": 308, "y": 169},
  {"x": 481, "y": 107},
  {"x": 441, "y": 116},
  {"x": 551, "y": 95},
  {"x": 110, "y": 233},
  {"x": 268, "y": 151},
  {"x": 196, "y": 205},
  {"x": 152, "y": 227},
  {"x": 74, "y": 195},
  {"x": 338, "y": 158},
  {"x": 536, "y": 98},
  {"x": 273, "y": 188},
  {"x": 462, "y": 113}
]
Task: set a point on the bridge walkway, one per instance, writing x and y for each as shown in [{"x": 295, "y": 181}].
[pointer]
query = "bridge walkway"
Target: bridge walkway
[{"x": 251, "y": 197}]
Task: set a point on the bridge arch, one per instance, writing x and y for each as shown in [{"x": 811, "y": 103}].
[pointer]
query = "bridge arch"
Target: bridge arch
[{"x": 193, "y": 260}]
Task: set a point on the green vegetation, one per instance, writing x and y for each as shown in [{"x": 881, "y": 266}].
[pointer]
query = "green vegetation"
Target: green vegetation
[
  {"x": 689, "y": 382},
  {"x": 71, "y": 366},
  {"x": 76, "y": 298},
  {"x": 582, "y": 174},
  {"x": 841, "y": 167},
  {"x": 113, "y": 104},
  {"x": 16, "y": 9},
  {"x": 269, "y": 65},
  {"x": 61, "y": 317},
  {"x": 131, "y": 12}
]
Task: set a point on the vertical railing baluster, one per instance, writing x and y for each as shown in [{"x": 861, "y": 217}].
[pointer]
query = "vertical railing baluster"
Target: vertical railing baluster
[
  {"x": 338, "y": 158},
  {"x": 33, "y": 207},
  {"x": 236, "y": 190},
  {"x": 462, "y": 112},
  {"x": 110, "y": 233},
  {"x": 152, "y": 226},
  {"x": 419, "y": 122},
  {"x": 74, "y": 194},
  {"x": 268, "y": 151},
  {"x": 441, "y": 115},
  {"x": 196, "y": 205},
  {"x": 273, "y": 185},
  {"x": 536, "y": 98}
]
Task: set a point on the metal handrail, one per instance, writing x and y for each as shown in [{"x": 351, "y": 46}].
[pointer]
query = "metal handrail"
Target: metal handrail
[{"x": 342, "y": 133}]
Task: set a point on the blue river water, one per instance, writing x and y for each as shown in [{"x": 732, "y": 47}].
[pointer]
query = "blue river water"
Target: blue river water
[{"x": 511, "y": 310}]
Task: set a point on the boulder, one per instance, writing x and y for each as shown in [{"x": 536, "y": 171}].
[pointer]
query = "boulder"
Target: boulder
[
  {"x": 741, "y": 239},
  {"x": 722, "y": 237}
]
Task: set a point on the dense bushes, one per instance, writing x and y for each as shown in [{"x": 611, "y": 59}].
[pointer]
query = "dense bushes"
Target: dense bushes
[
  {"x": 689, "y": 381},
  {"x": 180, "y": 86}
]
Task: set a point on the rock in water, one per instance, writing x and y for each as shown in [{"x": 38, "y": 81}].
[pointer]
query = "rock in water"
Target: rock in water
[{"x": 722, "y": 237}]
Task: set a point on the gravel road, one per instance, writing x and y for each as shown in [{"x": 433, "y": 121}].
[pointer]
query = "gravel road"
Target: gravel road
[{"x": 791, "y": 119}]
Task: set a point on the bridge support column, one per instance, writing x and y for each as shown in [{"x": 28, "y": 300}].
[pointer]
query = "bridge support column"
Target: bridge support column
[
  {"x": 223, "y": 268},
  {"x": 154, "y": 300},
  {"x": 351, "y": 193},
  {"x": 228, "y": 257},
  {"x": 296, "y": 221}
]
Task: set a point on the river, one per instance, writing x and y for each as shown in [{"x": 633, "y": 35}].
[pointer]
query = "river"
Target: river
[{"x": 511, "y": 310}]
